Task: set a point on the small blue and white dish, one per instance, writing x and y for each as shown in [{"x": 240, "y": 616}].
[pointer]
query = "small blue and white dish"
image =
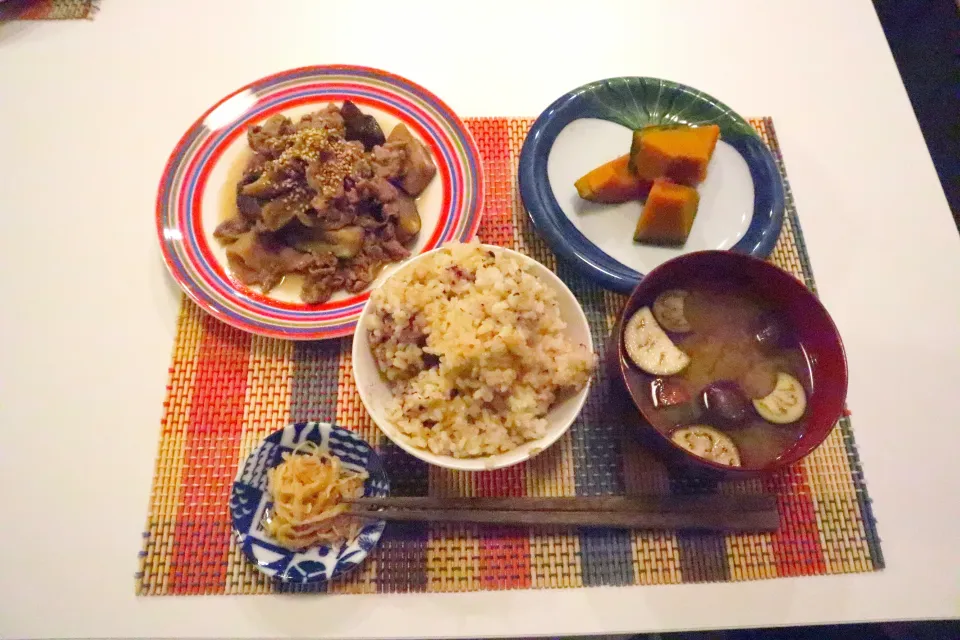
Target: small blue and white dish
[
  {"x": 741, "y": 201},
  {"x": 249, "y": 500}
]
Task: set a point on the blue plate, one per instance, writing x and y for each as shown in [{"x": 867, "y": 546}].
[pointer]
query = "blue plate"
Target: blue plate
[
  {"x": 250, "y": 499},
  {"x": 741, "y": 202}
]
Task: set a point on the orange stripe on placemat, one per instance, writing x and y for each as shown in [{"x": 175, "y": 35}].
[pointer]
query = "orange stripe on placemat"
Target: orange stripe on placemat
[
  {"x": 493, "y": 142},
  {"x": 202, "y": 530},
  {"x": 504, "y": 551},
  {"x": 796, "y": 545}
]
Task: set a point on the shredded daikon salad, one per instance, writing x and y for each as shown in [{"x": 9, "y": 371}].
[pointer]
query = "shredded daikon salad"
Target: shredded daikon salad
[{"x": 308, "y": 489}]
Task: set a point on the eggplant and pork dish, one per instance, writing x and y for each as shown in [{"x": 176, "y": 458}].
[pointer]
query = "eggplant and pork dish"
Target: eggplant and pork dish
[{"x": 329, "y": 198}]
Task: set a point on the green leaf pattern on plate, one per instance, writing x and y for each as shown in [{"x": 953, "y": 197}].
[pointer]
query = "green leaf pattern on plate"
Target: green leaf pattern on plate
[{"x": 640, "y": 102}]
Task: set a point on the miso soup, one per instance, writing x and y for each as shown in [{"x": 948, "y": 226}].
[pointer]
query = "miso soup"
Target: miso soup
[{"x": 728, "y": 378}]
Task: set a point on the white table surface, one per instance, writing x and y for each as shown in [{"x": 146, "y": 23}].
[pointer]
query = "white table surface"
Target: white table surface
[{"x": 89, "y": 112}]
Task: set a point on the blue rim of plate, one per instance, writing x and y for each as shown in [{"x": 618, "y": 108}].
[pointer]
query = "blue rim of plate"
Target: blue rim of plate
[
  {"x": 635, "y": 102},
  {"x": 249, "y": 499},
  {"x": 179, "y": 214}
]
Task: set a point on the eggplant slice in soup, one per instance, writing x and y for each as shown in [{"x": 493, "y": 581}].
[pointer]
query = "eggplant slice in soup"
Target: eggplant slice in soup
[
  {"x": 650, "y": 347},
  {"x": 707, "y": 443},
  {"x": 668, "y": 310},
  {"x": 785, "y": 404}
]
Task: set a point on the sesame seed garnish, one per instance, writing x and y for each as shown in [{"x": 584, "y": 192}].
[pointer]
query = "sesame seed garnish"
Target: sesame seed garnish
[{"x": 330, "y": 156}]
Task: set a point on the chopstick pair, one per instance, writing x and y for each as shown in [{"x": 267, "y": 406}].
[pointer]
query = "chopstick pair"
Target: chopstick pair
[{"x": 723, "y": 513}]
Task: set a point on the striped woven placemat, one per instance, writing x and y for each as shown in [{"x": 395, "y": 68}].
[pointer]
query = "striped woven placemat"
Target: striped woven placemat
[
  {"x": 47, "y": 9},
  {"x": 228, "y": 389}
]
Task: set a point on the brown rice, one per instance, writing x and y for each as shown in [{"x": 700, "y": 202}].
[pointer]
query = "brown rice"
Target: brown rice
[{"x": 474, "y": 348}]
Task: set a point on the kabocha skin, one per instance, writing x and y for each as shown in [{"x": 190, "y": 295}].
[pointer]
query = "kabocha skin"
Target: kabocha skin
[
  {"x": 612, "y": 183},
  {"x": 668, "y": 214}
]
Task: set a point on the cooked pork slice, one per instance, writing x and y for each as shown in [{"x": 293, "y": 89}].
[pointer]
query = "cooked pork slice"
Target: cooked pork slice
[
  {"x": 395, "y": 251},
  {"x": 377, "y": 189},
  {"x": 388, "y": 161},
  {"x": 231, "y": 229},
  {"x": 269, "y": 138},
  {"x": 317, "y": 288},
  {"x": 327, "y": 118},
  {"x": 336, "y": 216}
]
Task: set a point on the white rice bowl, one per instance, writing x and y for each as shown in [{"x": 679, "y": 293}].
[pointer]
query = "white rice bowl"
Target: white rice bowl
[{"x": 473, "y": 357}]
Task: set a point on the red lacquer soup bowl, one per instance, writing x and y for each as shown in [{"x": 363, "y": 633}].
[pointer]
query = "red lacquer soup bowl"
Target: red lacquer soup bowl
[{"x": 812, "y": 328}]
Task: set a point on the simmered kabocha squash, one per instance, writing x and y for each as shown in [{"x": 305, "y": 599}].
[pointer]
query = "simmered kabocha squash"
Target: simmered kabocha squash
[
  {"x": 680, "y": 154},
  {"x": 612, "y": 183},
  {"x": 668, "y": 214}
]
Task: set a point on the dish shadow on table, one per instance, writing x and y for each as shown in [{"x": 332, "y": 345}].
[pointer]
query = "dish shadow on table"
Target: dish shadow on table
[{"x": 11, "y": 31}]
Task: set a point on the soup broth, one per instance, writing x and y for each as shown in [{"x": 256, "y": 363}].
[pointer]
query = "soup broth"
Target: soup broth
[{"x": 737, "y": 347}]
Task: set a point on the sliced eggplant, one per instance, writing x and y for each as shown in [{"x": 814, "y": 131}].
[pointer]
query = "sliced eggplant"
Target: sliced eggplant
[
  {"x": 271, "y": 183},
  {"x": 668, "y": 309},
  {"x": 785, "y": 404},
  {"x": 408, "y": 224},
  {"x": 248, "y": 206},
  {"x": 404, "y": 209},
  {"x": 276, "y": 213},
  {"x": 707, "y": 443},
  {"x": 344, "y": 243},
  {"x": 650, "y": 348},
  {"x": 418, "y": 167},
  {"x": 351, "y": 238}
]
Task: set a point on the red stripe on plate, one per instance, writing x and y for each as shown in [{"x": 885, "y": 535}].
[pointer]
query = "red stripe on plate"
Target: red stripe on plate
[
  {"x": 201, "y": 538},
  {"x": 796, "y": 545}
]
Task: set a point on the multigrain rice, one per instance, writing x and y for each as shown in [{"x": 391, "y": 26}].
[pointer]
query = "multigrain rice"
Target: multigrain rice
[{"x": 473, "y": 346}]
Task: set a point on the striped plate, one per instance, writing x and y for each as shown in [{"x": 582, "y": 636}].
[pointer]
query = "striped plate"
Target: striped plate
[{"x": 197, "y": 188}]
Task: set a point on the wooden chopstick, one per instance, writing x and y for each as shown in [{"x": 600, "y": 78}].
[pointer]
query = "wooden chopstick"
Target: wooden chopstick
[
  {"x": 726, "y": 513},
  {"x": 690, "y": 502}
]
